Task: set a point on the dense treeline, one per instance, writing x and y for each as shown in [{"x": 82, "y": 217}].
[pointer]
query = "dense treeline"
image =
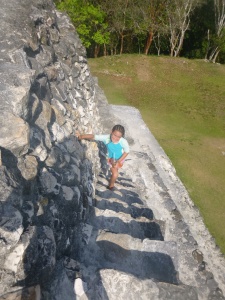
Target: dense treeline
[{"x": 190, "y": 28}]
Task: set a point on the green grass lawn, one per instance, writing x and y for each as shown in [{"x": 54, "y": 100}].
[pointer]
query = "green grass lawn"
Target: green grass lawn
[{"x": 183, "y": 103}]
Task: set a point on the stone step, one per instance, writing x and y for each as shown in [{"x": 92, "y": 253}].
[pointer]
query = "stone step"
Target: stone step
[
  {"x": 121, "y": 260},
  {"x": 115, "y": 265},
  {"x": 126, "y": 242},
  {"x": 132, "y": 257},
  {"x": 126, "y": 257},
  {"x": 117, "y": 285},
  {"x": 123, "y": 211},
  {"x": 119, "y": 222},
  {"x": 136, "y": 249}
]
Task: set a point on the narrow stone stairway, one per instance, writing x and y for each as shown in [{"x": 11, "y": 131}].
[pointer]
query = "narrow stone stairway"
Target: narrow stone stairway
[
  {"x": 137, "y": 243},
  {"x": 126, "y": 244},
  {"x": 125, "y": 254}
]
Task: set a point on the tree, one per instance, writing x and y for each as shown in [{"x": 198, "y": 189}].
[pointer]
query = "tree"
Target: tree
[
  {"x": 202, "y": 20},
  {"x": 118, "y": 18},
  {"x": 217, "y": 40},
  {"x": 156, "y": 21},
  {"x": 148, "y": 20},
  {"x": 194, "y": 28},
  {"x": 179, "y": 13},
  {"x": 89, "y": 21}
]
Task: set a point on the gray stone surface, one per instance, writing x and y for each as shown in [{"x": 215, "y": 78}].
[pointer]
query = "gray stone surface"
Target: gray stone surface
[
  {"x": 63, "y": 235},
  {"x": 163, "y": 184},
  {"x": 46, "y": 185},
  {"x": 119, "y": 261}
]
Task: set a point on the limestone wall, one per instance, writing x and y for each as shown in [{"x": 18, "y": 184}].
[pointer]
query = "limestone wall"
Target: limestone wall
[{"x": 47, "y": 176}]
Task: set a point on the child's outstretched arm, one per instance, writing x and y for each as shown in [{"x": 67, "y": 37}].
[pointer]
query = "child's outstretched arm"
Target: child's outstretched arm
[{"x": 84, "y": 136}]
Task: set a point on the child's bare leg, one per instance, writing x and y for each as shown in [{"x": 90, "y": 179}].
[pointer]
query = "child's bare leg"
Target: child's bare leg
[{"x": 114, "y": 176}]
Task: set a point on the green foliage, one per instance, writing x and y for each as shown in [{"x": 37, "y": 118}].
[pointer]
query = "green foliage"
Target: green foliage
[
  {"x": 88, "y": 19},
  {"x": 134, "y": 26},
  {"x": 101, "y": 38}
]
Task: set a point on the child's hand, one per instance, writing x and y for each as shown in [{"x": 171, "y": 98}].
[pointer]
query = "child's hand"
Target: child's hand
[
  {"x": 77, "y": 134},
  {"x": 114, "y": 163}
]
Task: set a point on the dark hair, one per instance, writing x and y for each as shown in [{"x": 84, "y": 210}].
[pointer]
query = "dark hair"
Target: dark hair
[{"x": 119, "y": 128}]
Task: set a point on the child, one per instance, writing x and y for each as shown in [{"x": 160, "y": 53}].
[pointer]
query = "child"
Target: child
[{"x": 117, "y": 147}]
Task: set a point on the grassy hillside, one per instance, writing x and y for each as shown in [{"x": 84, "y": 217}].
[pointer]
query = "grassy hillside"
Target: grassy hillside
[{"x": 183, "y": 103}]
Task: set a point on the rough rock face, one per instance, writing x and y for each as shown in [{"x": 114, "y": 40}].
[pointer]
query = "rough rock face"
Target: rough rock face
[
  {"x": 46, "y": 177},
  {"x": 63, "y": 234}
]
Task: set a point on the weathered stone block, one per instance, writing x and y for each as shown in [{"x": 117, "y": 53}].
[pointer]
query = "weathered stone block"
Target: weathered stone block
[
  {"x": 31, "y": 293},
  {"x": 14, "y": 133},
  {"x": 11, "y": 227},
  {"x": 48, "y": 182},
  {"x": 28, "y": 167}
]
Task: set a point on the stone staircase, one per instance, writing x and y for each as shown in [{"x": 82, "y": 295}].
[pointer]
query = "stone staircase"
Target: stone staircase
[
  {"x": 129, "y": 253},
  {"x": 137, "y": 244}
]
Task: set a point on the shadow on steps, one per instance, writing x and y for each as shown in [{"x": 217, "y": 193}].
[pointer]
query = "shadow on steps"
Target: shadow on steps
[
  {"x": 142, "y": 264},
  {"x": 124, "y": 237}
]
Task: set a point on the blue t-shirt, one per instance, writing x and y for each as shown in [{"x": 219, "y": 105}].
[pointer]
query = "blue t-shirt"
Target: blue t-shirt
[{"x": 115, "y": 150}]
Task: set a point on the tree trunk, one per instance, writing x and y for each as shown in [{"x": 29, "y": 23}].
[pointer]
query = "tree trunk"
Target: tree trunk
[
  {"x": 105, "y": 50},
  {"x": 208, "y": 43},
  {"x": 172, "y": 43},
  {"x": 157, "y": 44},
  {"x": 214, "y": 54},
  {"x": 179, "y": 47},
  {"x": 97, "y": 49},
  {"x": 121, "y": 43},
  {"x": 148, "y": 42}
]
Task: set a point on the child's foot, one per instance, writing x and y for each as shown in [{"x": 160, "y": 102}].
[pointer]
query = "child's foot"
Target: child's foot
[{"x": 111, "y": 188}]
